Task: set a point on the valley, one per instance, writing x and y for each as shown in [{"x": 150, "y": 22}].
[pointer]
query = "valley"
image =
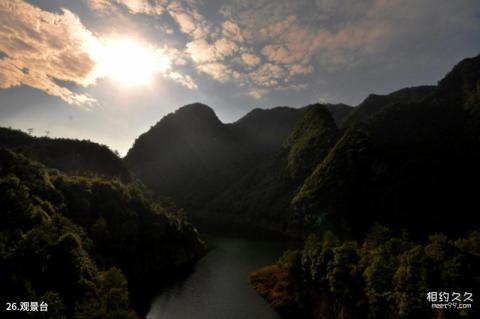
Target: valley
[{"x": 381, "y": 192}]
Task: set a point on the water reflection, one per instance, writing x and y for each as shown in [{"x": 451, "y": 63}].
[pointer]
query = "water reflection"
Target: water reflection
[{"x": 218, "y": 287}]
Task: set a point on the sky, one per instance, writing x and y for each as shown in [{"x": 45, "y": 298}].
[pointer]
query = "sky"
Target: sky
[{"x": 107, "y": 70}]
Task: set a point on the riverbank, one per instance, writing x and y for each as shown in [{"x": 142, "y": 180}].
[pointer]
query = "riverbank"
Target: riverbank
[{"x": 218, "y": 286}]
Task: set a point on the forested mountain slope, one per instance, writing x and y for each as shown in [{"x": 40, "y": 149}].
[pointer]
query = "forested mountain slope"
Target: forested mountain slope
[
  {"x": 410, "y": 165},
  {"x": 74, "y": 241}
]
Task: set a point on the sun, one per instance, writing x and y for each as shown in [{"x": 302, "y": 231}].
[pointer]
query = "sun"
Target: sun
[{"x": 128, "y": 62}]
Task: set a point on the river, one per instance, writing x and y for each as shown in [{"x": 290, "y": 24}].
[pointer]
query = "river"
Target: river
[{"x": 218, "y": 287}]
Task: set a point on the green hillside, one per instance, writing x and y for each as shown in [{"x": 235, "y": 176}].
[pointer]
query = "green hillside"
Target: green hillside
[{"x": 84, "y": 244}]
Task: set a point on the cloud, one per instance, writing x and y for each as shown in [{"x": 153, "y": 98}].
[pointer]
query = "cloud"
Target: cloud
[
  {"x": 214, "y": 47},
  {"x": 154, "y": 7},
  {"x": 300, "y": 69},
  {"x": 250, "y": 59},
  {"x": 10, "y": 74},
  {"x": 277, "y": 28},
  {"x": 184, "y": 80},
  {"x": 201, "y": 51},
  {"x": 241, "y": 33},
  {"x": 217, "y": 71},
  {"x": 268, "y": 75},
  {"x": 178, "y": 57},
  {"x": 225, "y": 48},
  {"x": 184, "y": 20},
  {"x": 280, "y": 54},
  {"x": 298, "y": 35},
  {"x": 189, "y": 19},
  {"x": 43, "y": 48},
  {"x": 100, "y": 5},
  {"x": 293, "y": 87},
  {"x": 144, "y": 6},
  {"x": 262, "y": 44},
  {"x": 232, "y": 30},
  {"x": 258, "y": 94}
]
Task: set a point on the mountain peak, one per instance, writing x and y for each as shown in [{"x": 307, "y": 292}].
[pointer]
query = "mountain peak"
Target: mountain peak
[
  {"x": 195, "y": 114},
  {"x": 461, "y": 81},
  {"x": 310, "y": 141},
  {"x": 195, "y": 107}
]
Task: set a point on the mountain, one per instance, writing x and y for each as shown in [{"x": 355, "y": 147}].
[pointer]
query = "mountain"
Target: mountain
[
  {"x": 284, "y": 168},
  {"x": 193, "y": 158},
  {"x": 67, "y": 155},
  {"x": 340, "y": 112},
  {"x": 461, "y": 86},
  {"x": 383, "y": 206},
  {"x": 375, "y": 103},
  {"x": 267, "y": 129},
  {"x": 188, "y": 155},
  {"x": 84, "y": 190},
  {"x": 85, "y": 245},
  {"x": 260, "y": 199},
  {"x": 310, "y": 141},
  {"x": 240, "y": 175},
  {"x": 413, "y": 160}
]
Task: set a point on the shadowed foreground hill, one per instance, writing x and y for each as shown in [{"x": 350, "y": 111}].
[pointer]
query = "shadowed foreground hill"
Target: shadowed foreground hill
[
  {"x": 385, "y": 276},
  {"x": 74, "y": 241}
]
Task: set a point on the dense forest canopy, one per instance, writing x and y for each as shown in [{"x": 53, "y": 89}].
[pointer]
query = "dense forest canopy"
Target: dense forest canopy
[
  {"x": 73, "y": 241},
  {"x": 407, "y": 160}
]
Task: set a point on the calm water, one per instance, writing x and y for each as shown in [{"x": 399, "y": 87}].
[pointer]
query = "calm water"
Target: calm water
[{"x": 218, "y": 287}]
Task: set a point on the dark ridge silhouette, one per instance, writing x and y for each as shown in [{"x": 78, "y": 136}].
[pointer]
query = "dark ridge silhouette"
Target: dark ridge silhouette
[
  {"x": 340, "y": 112},
  {"x": 193, "y": 158},
  {"x": 460, "y": 84},
  {"x": 412, "y": 161},
  {"x": 67, "y": 155},
  {"x": 375, "y": 103},
  {"x": 268, "y": 128},
  {"x": 261, "y": 197},
  {"x": 234, "y": 172}
]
